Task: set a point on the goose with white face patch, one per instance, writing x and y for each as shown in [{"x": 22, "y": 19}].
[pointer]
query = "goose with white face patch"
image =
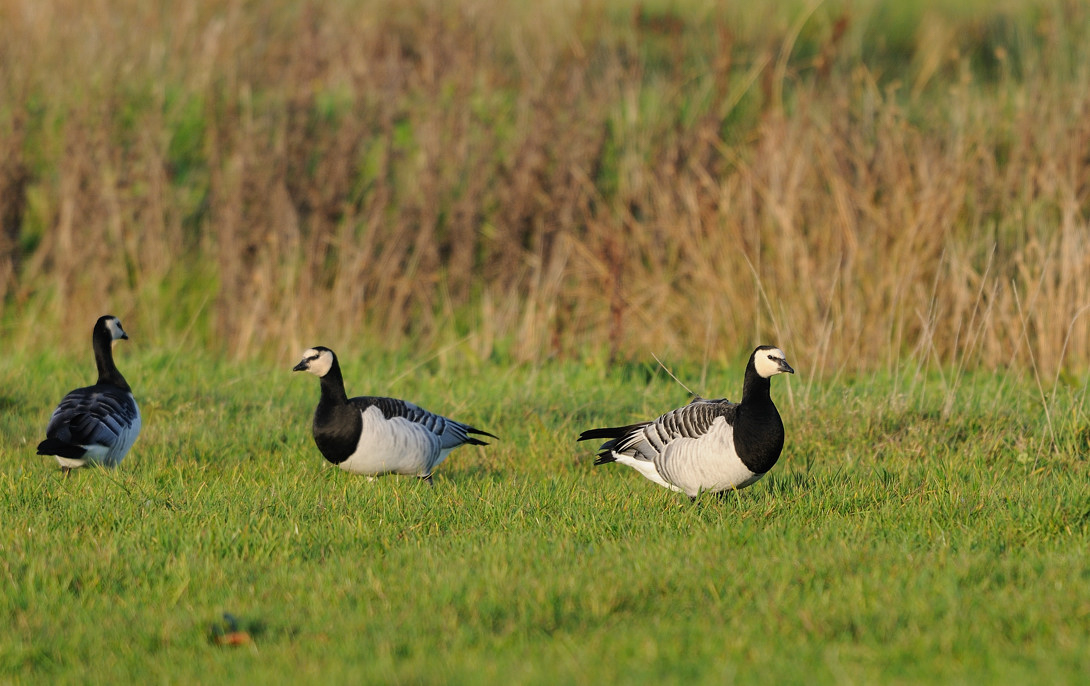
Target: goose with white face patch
[
  {"x": 95, "y": 424},
  {"x": 374, "y": 436},
  {"x": 708, "y": 446}
]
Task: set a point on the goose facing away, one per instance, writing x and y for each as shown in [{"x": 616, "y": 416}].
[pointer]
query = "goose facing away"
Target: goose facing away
[
  {"x": 95, "y": 424},
  {"x": 707, "y": 445},
  {"x": 373, "y": 435}
]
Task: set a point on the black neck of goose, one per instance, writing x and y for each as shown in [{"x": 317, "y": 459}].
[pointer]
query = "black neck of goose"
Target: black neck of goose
[
  {"x": 755, "y": 388},
  {"x": 333, "y": 386},
  {"x": 758, "y": 429},
  {"x": 104, "y": 360}
]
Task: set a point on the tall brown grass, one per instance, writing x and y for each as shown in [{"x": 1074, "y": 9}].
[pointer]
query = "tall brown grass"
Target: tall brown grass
[{"x": 554, "y": 179}]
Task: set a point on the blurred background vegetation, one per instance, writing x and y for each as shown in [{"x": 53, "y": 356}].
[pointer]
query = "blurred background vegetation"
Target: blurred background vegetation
[{"x": 864, "y": 183}]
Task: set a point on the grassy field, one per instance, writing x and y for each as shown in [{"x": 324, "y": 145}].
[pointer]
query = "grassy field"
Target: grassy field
[
  {"x": 917, "y": 529},
  {"x": 503, "y": 211}
]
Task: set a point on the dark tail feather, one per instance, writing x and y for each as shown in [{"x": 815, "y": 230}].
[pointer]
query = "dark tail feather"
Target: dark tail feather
[
  {"x": 52, "y": 446},
  {"x": 476, "y": 441},
  {"x": 605, "y": 457},
  {"x": 608, "y": 432},
  {"x": 613, "y": 434}
]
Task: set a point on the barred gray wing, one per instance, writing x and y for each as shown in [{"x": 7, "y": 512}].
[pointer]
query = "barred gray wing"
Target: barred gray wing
[
  {"x": 647, "y": 441},
  {"x": 394, "y": 407}
]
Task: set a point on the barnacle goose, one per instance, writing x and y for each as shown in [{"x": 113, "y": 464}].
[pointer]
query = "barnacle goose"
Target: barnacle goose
[
  {"x": 96, "y": 423},
  {"x": 707, "y": 446},
  {"x": 375, "y": 436}
]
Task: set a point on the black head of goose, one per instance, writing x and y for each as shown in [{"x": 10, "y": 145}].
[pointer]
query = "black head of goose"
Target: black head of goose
[
  {"x": 96, "y": 424},
  {"x": 374, "y": 435},
  {"x": 707, "y": 445}
]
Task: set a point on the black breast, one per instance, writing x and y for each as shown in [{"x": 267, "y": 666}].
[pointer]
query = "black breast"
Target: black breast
[
  {"x": 337, "y": 431},
  {"x": 758, "y": 437}
]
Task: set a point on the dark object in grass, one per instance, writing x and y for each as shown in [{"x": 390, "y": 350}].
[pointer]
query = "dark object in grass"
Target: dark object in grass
[{"x": 231, "y": 632}]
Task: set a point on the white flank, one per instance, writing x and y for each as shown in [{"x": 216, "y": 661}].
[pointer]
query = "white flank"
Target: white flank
[
  {"x": 395, "y": 445},
  {"x": 707, "y": 464},
  {"x": 646, "y": 468}
]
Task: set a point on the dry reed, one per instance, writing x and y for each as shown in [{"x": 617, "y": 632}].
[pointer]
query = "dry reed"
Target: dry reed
[{"x": 554, "y": 179}]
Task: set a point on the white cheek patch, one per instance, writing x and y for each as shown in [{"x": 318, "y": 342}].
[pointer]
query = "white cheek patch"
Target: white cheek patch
[
  {"x": 321, "y": 365},
  {"x": 114, "y": 327},
  {"x": 766, "y": 362}
]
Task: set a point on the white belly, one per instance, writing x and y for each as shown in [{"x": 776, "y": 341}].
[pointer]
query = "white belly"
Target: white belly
[
  {"x": 69, "y": 463},
  {"x": 708, "y": 464},
  {"x": 392, "y": 446}
]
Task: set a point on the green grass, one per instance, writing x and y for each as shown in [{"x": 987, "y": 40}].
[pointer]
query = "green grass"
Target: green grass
[{"x": 893, "y": 542}]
